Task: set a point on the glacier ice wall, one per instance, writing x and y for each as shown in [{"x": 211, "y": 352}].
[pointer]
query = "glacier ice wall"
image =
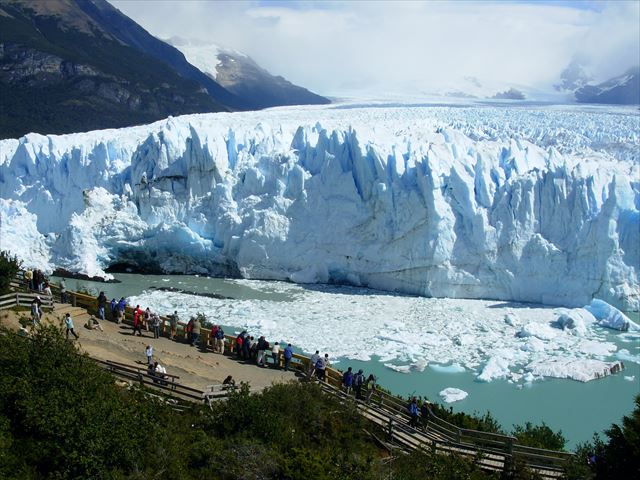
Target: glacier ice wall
[{"x": 536, "y": 205}]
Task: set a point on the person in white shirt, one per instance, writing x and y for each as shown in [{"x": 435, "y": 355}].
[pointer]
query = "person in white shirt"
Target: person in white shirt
[{"x": 275, "y": 352}]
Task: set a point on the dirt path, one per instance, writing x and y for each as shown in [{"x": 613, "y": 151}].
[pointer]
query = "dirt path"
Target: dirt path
[{"x": 197, "y": 368}]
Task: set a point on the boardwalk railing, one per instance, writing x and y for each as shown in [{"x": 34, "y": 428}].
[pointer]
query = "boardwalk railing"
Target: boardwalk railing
[
  {"x": 22, "y": 299},
  {"x": 498, "y": 452}
]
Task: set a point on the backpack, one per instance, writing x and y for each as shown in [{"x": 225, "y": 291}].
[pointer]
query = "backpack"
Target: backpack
[
  {"x": 320, "y": 363},
  {"x": 358, "y": 379}
]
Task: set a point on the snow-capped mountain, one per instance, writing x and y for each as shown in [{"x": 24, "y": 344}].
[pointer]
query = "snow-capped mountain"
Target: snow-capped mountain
[
  {"x": 537, "y": 205},
  {"x": 239, "y": 74},
  {"x": 623, "y": 89}
]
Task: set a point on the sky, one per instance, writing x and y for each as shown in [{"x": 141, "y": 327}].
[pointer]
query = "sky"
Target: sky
[{"x": 339, "y": 47}]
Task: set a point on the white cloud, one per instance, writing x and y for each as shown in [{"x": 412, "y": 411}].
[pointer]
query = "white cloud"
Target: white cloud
[{"x": 406, "y": 46}]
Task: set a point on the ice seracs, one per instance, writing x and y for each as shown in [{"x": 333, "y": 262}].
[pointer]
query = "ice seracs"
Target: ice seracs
[
  {"x": 533, "y": 205},
  {"x": 450, "y": 395}
]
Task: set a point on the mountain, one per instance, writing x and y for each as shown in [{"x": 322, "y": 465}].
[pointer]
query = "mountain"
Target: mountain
[
  {"x": 622, "y": 90},
  {"x": 78, "y": 65},
  {"x": 242, "y": 76},
  {"x": 527, "y": 204},
  {"x": 63, "y": 69}
]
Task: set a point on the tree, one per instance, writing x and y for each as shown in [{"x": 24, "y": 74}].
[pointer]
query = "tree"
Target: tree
[{"x": 9, "y": 267}]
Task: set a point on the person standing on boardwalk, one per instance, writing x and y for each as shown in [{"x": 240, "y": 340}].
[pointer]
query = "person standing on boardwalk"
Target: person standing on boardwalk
[
  {"x": 102, "y": 304},
  {"x": 36, "y": 311},
  {"x": 219, "y": 340},
  {"x": 261, "y": 348},
  {"x": 63, "y": 291},
  {"x": 358, "y": 381},
  {"x": 136, "y": 322},
  {"x": 147, "y": 318},
  {"x": 413, "y": 412},
  {"x": 173, "y": 324},
  {"x": 321, "y": 367},
  {"x": 149, "y": 353},
  {"x": 275, "y": 354},
  {"x": 288, "y": 355},
  {"x": 155, "y": 323},
  {"x": 28, "y": 278},
  {"x": 347, "y": 380},
  {"x": 371, "y": 386},
  {"x": 69, "y": 324},
  {"x": 114, "y": 305},
  {"x": 312, "y": 364},
  {"x": 195, "y": 332}
]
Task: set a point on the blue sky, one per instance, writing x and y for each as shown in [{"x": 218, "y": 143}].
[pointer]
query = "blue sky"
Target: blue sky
[{"x": 410, "y": 46}]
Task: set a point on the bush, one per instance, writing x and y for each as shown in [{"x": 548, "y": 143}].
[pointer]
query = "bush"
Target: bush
[
  {"x": 9, "y": 267},
  {"x": 539, "y": 436}
]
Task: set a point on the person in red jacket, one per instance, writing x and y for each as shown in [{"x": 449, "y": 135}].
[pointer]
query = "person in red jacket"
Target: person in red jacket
[{"x": 136, "y": 321}]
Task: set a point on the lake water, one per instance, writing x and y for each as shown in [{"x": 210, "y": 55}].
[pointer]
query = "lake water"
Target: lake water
[{"x": 375, "y": 329}]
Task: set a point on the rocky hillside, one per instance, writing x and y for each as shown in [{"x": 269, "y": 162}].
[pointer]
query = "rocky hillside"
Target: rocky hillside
[{"x": 62, "y": 71}]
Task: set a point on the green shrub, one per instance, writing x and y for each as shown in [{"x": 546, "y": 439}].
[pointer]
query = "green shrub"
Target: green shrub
[
  {"x": 9, "y": 266},
  {"x": 539, "y": 436}
]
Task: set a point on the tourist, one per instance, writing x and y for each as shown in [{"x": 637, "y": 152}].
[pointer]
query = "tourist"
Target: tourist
[
  {"x": 219, "y": 340},
  {"x": 189, "y": 329},
  {"x": 424, "y": 412},
  {"x": 288, "y": 355},
  {"x": 372, "y": 386},
  {"x": 253, "y": 348},
  {"x": 275, "y": 354},
  {"x": 160, "y": 372},
  {"x": 347, "y": 380},
  {"x": 239, "y": 342},
  {"x": 229, "y": 383},
  {"x": 149, "y": 353},
  {"x": 261, "y": 348},
  {"x": 36, "y": 311},
  {"x": 358, "y": 381},
  {"x": 47, "y": 290},
  {"x": 69, "y": 324},
  {"x": 28, "y": 278},
  {"x": 63, "y": 291},
  {"x": 412, "y": 409},
  {"x": 155, "y": 323},
  {"x": 246, "y": 347},
  {"x": 147, "y": 318},
  {"x": 102, "y": 303},
  {"x": 136, "y": 322},
  {"x": 173, "y": 324},
  {"x": 195, "y": 331},
  {"x": 122, "y": 306},
  {"x": 321, "y": 367},
  {"x": 114, "y": 306},
  {"x": 312, "y": 364},
  {"x": 93, "y": 322}
]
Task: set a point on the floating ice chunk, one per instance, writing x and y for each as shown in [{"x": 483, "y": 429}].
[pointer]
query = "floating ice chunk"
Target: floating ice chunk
[
  {"x": 419, "y": 365},
  {"x": 624, "y": 354},
  {"x": 453, "y": 368},
  {"x": 630, "y": 379},
  {"x": 543, "y": 331},
  {"x": 398, "y": 368},
  {"x": 450, "y": 395},
  {"x": 495, "y": 368},
  {"x": 610, "y": 317},
  {"x": 582, "y": 370},
  {"x": 575, "y": 320},
  {"x": 511, "y": 319}
]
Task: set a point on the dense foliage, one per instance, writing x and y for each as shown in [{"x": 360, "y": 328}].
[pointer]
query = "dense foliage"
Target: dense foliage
[{"x": 9, "y": 266}]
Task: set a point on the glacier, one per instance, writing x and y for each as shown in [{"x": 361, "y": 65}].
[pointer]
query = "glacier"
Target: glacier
[{"x": 527, "y": 204}]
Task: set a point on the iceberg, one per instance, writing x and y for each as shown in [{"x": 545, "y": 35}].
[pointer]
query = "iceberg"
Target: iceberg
[
  {"x": 450, "y": 395},
  {"x": 531, "y": 204},
  {"x": 610, "y": 317}
]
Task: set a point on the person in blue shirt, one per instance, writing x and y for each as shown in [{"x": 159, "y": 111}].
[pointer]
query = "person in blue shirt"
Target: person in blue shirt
[
  {"x": 413, "y": 412},
  {"x": 347, "y": 380},
  {"x": 68, "y": 321},
  {"x": 288, "y": 355}
]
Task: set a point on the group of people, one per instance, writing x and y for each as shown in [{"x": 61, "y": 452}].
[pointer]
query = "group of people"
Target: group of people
[
  {"x": 36, "y": 280},
  {"x": 247, "y": 348},
  {"x": 417, "y": 412},
  {"x": 356, "y": 383}
]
